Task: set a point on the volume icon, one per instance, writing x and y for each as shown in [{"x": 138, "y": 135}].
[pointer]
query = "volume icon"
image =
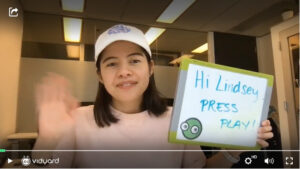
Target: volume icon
[{"x": 269, "y": 160}]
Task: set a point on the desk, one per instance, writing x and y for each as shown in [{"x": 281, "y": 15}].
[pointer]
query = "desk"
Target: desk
[
  {"x": 26, "y": 138},
  {"x": 16, "y": 138},
  {"x": 22, "y": 136}
]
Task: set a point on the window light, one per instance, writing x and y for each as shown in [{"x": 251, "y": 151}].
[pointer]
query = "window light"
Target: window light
[
  {"x": 153, "y": 33},
  {"x": 72, "y": 29},
  {"x": 174, "y": 10},
  {"x": 72, "y": 5},
  {"x": 201, "y": 49}
]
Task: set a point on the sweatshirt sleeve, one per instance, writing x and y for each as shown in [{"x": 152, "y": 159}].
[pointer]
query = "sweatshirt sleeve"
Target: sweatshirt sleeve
[
  {"x": 60, "y": 155},
  {"x": 64, "y": 151},
  {"x": 194, "y": 158}
]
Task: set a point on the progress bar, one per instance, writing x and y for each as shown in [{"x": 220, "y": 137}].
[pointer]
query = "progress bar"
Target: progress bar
[{"x": 3, "y": 150}]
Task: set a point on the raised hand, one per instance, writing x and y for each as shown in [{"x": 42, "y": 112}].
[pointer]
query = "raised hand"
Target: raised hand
[
  {"x": 55, "y": 106},
  {"x": 264, "y": 133}
]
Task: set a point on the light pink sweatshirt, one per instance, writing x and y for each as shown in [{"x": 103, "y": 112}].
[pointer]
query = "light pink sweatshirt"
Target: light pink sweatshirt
[{"x": 137, "y": 140}]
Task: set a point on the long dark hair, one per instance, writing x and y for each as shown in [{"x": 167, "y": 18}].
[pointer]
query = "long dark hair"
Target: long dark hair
[{"x": 151, "y": 99}]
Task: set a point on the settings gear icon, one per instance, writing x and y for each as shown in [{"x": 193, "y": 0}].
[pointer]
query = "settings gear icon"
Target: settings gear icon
[{"x": 248, "y": 160}]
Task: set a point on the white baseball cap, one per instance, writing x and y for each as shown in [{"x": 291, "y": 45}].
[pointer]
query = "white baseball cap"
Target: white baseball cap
[{"x": 121, "y": 32}]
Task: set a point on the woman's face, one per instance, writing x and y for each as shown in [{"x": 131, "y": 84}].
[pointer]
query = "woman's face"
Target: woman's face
[{"x": 124, "y": 71}]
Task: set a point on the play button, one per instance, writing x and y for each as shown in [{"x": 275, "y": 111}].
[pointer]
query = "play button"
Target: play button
[{"x": 9, "y": 160}]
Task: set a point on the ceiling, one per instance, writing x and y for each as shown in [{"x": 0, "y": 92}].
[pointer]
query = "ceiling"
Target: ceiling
[{"x": 246, "y": 17}]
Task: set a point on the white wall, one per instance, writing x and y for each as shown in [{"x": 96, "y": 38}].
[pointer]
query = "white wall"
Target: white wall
[
  {"x": 84, "y": 79},
  {"x": 166, "y": 80},
  {"x": 11, "y": 30}
]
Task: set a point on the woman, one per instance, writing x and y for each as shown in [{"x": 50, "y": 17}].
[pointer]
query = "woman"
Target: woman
[{"x": 128, "y": 113}]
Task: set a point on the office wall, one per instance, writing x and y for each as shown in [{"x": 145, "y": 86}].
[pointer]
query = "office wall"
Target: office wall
[
  {"x": 11, "y": 30},
  {"x": 244, "y": 52},
  {"x": 235, "y": 51},
  {"x": 166, "y": 80},
  {"x": 83, "y": 78}
]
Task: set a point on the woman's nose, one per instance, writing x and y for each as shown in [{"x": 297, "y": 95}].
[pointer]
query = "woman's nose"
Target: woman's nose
[{"x": 124, "y": 71}]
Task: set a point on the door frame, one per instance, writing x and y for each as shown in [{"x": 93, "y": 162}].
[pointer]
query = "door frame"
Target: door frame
[
  {"x": 289, "y": 82},
  {"x": 287, "y": 135}
]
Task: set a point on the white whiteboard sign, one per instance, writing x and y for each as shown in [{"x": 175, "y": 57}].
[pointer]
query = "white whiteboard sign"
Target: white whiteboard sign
[{"x": 219, "y": 106}]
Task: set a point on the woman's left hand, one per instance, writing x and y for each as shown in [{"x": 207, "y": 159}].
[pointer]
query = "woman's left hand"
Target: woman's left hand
[{"x": 264, "y": 133}]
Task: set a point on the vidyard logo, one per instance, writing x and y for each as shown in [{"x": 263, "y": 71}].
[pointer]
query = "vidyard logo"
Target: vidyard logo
[
  {"x": 25, "y": 161},
  {"x": 45, "y": 161}
]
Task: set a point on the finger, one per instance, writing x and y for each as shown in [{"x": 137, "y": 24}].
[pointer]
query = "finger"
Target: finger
[
  {"x": 37, "y": 93},
  {"x": 61, "y": 94},
  {"x": 47, "y": 89},
  {"x": 38, "y": 97},
  {"x": 56, "y": 87},
  {"x": 72, "y": 103},
  {"x": 41, "y": 94},
  {"x": 265, "y": 136},
  {"x": 59, "y": 80},
  {"x": 262, "y": 143},
  {"x": 51, "y": 74},
  {"x": 266, "y": 123},
  {"x": 50, "y": 92},
  {"x": 75, "y": 105},
  {"x": 52, "y": 79},
  {"x": 61, "y": 89},
  {"x": 62, "y": 85},
  {"x": 265, "y": 129}
]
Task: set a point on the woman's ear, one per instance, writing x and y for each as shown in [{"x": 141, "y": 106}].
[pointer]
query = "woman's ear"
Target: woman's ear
[
  {"x": 99, "y": 77},
  {"x": 151, "y": 67}
]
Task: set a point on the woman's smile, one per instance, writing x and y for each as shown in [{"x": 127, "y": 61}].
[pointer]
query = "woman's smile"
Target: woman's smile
[{"x": 127, "y": 84}]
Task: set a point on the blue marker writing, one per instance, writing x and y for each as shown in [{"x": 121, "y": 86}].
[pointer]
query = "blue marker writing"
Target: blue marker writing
[
  {"x": 201, "y": 79},
  {"x": 237, "y": 124},
  {"x": 225, "y": 86},
  {"x": 213, "y": 105}
]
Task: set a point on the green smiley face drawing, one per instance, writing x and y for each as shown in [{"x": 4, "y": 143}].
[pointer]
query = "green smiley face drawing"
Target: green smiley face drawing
[{"x": 191, "y": 128}]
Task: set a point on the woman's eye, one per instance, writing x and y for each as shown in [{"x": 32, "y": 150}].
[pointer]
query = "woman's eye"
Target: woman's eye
[
  {"x": 111, "y": 64},
  {"x": 135, "y": 61}
]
